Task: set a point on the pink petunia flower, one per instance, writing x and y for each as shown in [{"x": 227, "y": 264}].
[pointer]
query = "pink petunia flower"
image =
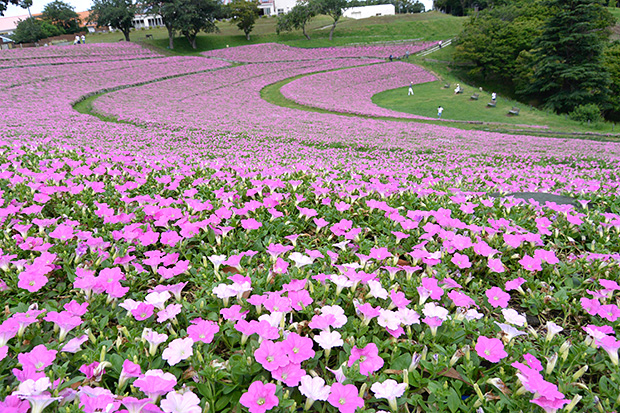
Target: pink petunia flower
[
  {"x": 202, "y": 330},
  {"x": 260, "y": 397},
  {"x": 490, "y": 349},
  {"x": 290, "y": 374},
  {"x": 297, "y": 348},
  {"x": 497, "y": 297},
  {"x": 271, "y": 355},
  {"x": 178, "y": 349},
  {"x": 530, "y": 263},
  {"x": 155, "y": 383},
  {"x": 461, "y": 260},
  {"x": 345, "y": 398},
  {"x": 369, "y": 358},
  {"x": 186, "y": 402}
]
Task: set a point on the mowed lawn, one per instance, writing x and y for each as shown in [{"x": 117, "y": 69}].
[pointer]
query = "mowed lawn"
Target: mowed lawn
[
  {"x": 428, "y": 96},
  {"x": 419, "y": 26}
]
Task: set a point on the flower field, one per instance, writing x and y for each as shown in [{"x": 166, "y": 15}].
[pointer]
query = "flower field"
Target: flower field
[
  {"x": 271, "y": 52},
  {"x": 210, "y": 251},
  {"x": 351, "y": 90}
]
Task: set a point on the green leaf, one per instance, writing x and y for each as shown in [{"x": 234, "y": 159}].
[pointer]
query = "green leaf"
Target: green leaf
[
  {"x": 402, "y": 362},
  {"x": 454, "y": 401}
]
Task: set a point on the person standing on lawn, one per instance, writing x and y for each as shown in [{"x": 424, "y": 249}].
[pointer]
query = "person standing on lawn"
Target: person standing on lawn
[
  {"x": 439, "y": 112},
  {"x": 410, "y": 92}
]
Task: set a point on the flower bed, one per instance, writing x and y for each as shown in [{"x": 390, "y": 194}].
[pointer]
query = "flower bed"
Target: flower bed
[
  {"x": 100, "y": 51},
  {"x": 351, "y": 90},
  {"x": 318, "y": 261},
  {"x": 274, "y": 52}
]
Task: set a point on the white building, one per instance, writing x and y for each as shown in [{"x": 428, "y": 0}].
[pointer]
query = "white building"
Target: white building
[
  {"x": 370, "y": 11},
  {"x": 144, "y": 21},
  {"x": 275, "y": 7}
]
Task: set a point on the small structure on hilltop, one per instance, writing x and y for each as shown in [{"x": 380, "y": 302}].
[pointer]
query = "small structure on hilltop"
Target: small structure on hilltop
[{"x": 364, "y": 12}]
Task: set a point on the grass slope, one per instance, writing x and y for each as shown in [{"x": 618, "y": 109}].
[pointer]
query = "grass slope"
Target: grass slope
[{"x": 420, "y": 26}]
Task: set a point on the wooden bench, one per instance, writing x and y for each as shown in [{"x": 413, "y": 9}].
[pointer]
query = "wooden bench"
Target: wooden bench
[
  {"x": 492, "y": 104},
  {"x": 514, "y": 111},
  {"x": 475, "y": 96},
  {"x": 149, "y": 36}
]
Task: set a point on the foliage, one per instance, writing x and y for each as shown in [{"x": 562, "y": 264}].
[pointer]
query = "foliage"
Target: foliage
[
  {"x": 31, "y": 30},
  {"x": 21, "y": 3},
  {"x": 244, "y": 14},
  {"x": 297, "y": 18},
  {"x": 462, "y": 7},
  {"x": 612, "y": 66},
  {"x": 194, "y": 16},
  {"x": 61, "y": 15},
  {"x": 169, "y": 11},
  {"x": 493, "y": 40},
  {"x": 118, "y": 14},
  {"x": 586, "y": 113},
  {"x": 331, "y": 8},
  {"x": 568, "y": 56},
  {"x": 408, "y": 6}
]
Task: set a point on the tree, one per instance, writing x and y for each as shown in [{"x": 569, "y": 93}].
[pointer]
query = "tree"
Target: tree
[
  {"x": 333, "y": 9},
  {"x": 612, "y": 65},
  {"x": 61, "y": 15},
  {"x": 169, "y": 11},
  {"x": 244, "y": 14},
  {"x": 492, "y": 41},
  {"x": 32, "y": 30},
  {"x": 24, "y": 4},
  {"x": 408, "y": 6},
  {"x": 195, "y": 16},
  {"x": 118, "y": 14},
  {"x": 568, "y": 56},
  {"x": 297, "y": 18}
]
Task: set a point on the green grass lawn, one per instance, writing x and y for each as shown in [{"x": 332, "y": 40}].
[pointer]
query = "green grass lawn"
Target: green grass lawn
[
  {"x": 419, "y": 26},
  {"x": 428, "y": 96}
]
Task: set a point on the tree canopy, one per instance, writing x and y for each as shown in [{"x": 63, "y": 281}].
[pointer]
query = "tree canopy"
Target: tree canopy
[
  {"x": 61, "y": 15},
  {"x": 493, "y": 41},
  {"x": 297, "y": 18},
  {"x": 568, "y": 66},
  {"x": 244, "y": 14},
  {"x": 21, "y": 3},
  {"x": 31, "y": 30},
  {"x": 331, "y": 8},
  {"x": 118, "y": 14},
  {"x": 195, "y": 16},
  {"x": 169, "y": 11}
]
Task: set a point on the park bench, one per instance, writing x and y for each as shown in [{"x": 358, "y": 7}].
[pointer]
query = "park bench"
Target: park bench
[
  {"x": 514, "y": 111},
  {"x": 492, "y": 104},
  {"x": 446, "y": 86},
  {"x": 475, "y": 96},
  {"x": 149, "y": 36}
]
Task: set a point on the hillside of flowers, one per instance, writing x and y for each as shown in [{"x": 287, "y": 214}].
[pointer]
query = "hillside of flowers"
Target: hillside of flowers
[
  {"x": 203, "y": 250},
  {"x": 269, "y": 52},
  {"x": 351, "y": 90}
]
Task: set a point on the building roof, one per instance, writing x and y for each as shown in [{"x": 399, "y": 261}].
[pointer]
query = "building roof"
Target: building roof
[
  {"x": 8, "y": 24},
  {"x": 5, "y": 39},
  {"x": 83, "y": 15}
]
